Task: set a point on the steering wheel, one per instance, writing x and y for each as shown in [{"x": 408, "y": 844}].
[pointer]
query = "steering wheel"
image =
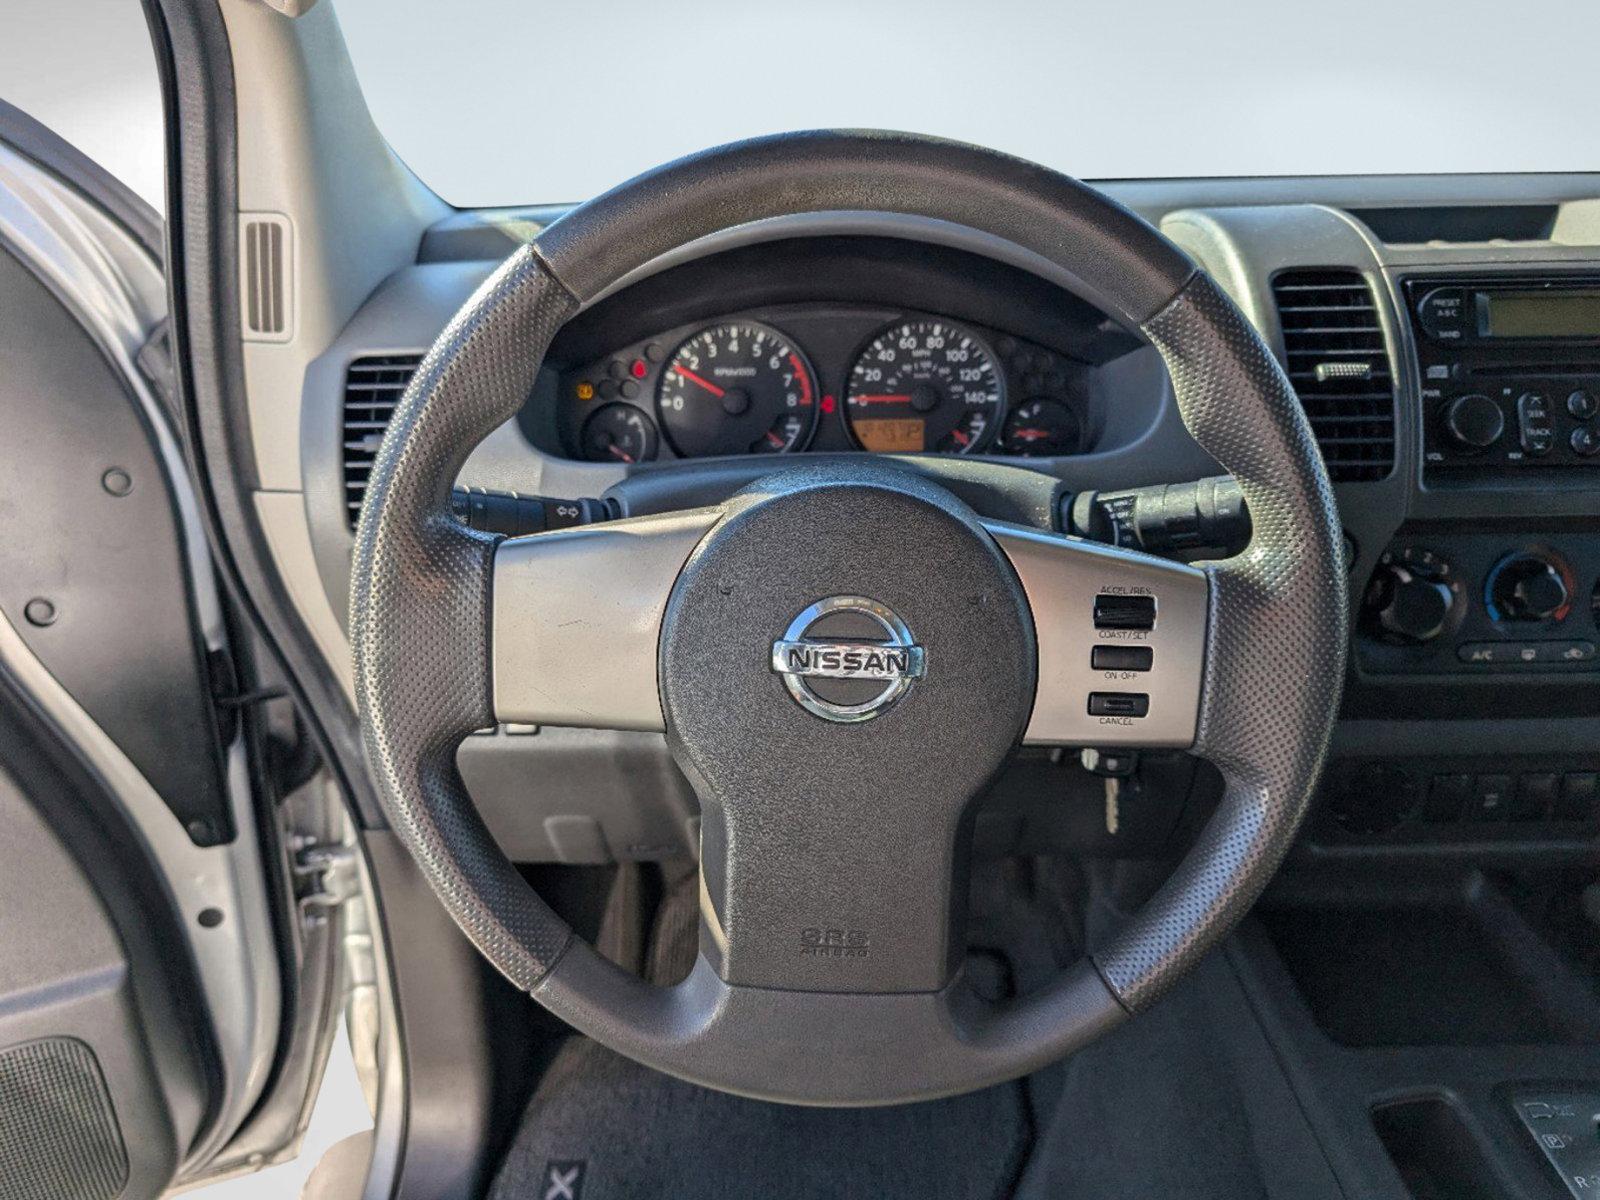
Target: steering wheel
[{"x": 842, "y": 657}]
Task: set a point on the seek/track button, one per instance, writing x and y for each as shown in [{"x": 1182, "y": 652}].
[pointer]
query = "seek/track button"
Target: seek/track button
[
  {"x": 1121, "y": 658},
  {"x": 1118, "y": 704}
]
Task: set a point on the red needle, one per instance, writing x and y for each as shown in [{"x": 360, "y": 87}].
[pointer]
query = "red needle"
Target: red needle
[
  {"x": 693, "y": 378},
  {"x": 880, "y": 399},
  {"x": 960, "y": 437},
  {"x": 618, "y": 452},
  {"x": 1030, "y": 435},
  {"x": 774, "y": 438}
]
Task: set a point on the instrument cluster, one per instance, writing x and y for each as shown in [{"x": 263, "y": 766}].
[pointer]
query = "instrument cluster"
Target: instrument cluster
[{"x": 825, "y": 378}]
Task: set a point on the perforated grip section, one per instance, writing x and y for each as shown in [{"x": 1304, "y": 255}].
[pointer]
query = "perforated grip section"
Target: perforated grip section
[
  {"x": 419, "y": 612},
  {"x": 1276, "y": 642}
]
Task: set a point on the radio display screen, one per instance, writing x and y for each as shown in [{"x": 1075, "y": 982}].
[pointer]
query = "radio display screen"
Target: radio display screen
[{"x": 1547, "y": 314}]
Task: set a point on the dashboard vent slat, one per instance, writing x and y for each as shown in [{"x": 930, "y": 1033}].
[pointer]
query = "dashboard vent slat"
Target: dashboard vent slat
[
  {"x": 372, "y": 387},
  {"x": 1338, "y": 362}
]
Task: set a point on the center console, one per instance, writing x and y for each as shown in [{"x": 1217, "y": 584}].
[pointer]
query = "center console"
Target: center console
[
  {"x": 1425, "y": 965},
  {"x": 1508, "y": 370},
  {"x": 1487, "y": 579}
]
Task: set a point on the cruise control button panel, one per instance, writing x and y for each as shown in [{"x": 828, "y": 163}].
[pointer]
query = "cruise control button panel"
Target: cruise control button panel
[{"x": 1121, "y": 642}]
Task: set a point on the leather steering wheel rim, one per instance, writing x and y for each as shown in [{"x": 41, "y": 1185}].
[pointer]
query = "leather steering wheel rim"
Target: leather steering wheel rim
[{"x": 422, "y": 599}]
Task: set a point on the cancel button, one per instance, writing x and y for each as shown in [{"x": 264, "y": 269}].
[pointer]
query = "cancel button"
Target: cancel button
[{"x": 1118, "y": 704}]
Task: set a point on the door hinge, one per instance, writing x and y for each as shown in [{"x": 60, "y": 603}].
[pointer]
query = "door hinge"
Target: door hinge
[{"x": 326, "y": 877}]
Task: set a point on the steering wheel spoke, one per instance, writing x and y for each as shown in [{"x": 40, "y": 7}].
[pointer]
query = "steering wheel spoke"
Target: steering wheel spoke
[
  {"x": 576, "y": 620},
  {"x": 1122, "y": 641}
]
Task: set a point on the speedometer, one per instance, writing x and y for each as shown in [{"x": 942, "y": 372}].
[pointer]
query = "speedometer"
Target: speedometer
[
  {"x": 737, "y": 388},
  {"x": 925, "y": 385}
]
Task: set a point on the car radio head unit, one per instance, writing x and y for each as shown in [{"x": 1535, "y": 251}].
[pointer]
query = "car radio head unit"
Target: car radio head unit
[{"x": 1510, "y": 371}]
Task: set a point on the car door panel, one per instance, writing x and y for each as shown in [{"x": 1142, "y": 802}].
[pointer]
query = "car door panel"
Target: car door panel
[
  {"x": 142, "y": 964},
  {"x": 91, "y": 572}
]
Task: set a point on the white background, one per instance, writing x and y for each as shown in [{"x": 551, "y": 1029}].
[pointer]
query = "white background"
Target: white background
[
  {"x": 524, "y": 101},
  {"x": 517, "y": 101},
  {"x": 85, "y": 68}
]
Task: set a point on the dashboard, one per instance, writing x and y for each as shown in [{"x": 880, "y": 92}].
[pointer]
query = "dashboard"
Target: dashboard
[{"x": 1448, "y": 363}]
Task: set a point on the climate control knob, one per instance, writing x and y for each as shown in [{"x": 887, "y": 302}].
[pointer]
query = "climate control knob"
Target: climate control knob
[
  {"x": 1409, "y": 606},
  {"x": 1529, "y": 587},
  {"x": 1475, "y": 422}
]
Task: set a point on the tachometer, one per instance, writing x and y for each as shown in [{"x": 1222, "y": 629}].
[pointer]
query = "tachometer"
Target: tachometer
[
  {"x": 737, "y": 388},
  {"x": 925, "y": 385}
]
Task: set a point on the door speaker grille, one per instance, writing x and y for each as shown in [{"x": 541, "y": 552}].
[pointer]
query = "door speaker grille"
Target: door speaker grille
[{"x": 58, "y": 1131}]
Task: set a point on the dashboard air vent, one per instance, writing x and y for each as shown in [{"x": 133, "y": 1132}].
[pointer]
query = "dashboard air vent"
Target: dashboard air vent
[
  {"x": 372, "y": 387},
  {"x": 1339, "y": 364}
]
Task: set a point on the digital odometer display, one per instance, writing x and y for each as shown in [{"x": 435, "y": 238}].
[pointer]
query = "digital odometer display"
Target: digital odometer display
[
  {"x": 928, "y": 378},
  {"x": 891, "y": 435},
  {"x": 1544, "y": 314}
]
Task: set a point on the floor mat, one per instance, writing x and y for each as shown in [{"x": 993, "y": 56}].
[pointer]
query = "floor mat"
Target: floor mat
[
  {"x": 1166, "y": 1106},
  {"x": 603, "y": 1128},
  {"x": 600, "y": 1127},
  {"x": 1153, "y": 1109}
]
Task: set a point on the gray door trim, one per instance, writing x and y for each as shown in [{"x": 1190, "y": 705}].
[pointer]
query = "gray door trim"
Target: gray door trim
[{"x": 110, "y": 283}]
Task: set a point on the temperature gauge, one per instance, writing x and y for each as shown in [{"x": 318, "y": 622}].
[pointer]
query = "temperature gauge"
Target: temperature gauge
[{"x": 1042, "y": 427}]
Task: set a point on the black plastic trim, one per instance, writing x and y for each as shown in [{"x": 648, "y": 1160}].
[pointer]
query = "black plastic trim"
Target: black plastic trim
[
  {"x": 84, "y": 813},
  {"x": 202, "y": 256}
]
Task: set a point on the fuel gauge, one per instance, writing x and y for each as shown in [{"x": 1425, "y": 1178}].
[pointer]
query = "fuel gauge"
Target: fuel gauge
[
  {"x": 618, "y": 433},
  {"x": 1041, "y": 427}
]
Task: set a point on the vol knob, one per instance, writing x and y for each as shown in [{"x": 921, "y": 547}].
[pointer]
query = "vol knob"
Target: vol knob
[
  {"x": 1410, "y": 607},
  {"x": 1528, "y": 588},
  {"x": 1475, "y": 422}
]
